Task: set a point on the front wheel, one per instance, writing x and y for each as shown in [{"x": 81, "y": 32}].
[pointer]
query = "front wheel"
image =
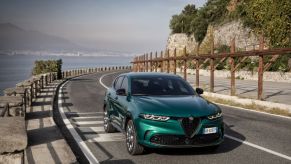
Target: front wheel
[
  {"x": 108, "y": 127},
  {"x": 133, "y": 147}
]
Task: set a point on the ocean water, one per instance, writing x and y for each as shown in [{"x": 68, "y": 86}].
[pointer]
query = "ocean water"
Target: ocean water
[{"x": 16, "y": 68}]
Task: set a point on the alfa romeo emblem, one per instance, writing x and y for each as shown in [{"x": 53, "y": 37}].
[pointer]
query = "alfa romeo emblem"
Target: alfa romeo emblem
[{"x": 191, "y": 118}]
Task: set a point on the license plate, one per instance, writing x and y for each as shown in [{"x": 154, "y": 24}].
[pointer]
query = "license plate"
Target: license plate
[{"x": 210, "y": 130}]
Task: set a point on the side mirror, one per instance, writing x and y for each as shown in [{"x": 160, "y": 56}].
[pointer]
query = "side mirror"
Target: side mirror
[
  {"x": 121, "y": 92},
  {"x": 199, "y": 91}
]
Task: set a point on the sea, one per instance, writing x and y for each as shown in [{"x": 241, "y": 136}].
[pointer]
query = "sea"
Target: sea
[{"x": 16, "y": 68}]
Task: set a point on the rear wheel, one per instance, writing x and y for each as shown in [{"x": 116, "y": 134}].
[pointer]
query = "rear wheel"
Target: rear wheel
[
  {"x": 133, "y": 147},
  {"x": 108, "y": 127}
]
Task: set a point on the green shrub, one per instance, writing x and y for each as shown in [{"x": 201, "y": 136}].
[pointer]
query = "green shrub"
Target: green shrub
[{"x": 47, "y": 66}]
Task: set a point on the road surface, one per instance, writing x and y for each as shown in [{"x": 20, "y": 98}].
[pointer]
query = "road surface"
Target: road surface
[{"x": 251, "y": 137}]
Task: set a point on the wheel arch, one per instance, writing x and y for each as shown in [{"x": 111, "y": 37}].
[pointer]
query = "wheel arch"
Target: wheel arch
[{"x": 128, "y": 117}]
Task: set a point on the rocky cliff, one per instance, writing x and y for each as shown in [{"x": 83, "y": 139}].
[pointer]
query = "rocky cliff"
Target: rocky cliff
[{"x": 221, "y": 34}]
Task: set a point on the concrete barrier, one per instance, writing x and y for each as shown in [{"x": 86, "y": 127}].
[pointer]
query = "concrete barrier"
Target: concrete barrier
[
  {"x": 4, "y": 110},
  {"x": 15, "y": 103},
  {"x": 17, "y": 92},
  {"x": 13, "y": 140}
]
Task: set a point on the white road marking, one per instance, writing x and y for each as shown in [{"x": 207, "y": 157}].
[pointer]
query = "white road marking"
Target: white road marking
[
  {"x": 89, "y": 122},
  {"x": 91, "y": 158},
  {"x": 250, "y": 110},
  {"x": 107, "y": 137},
  {"x": 84, "y": 113},
  {"x": 89, "y": 117},
  {"x": 258, "y": 147},
  {"x": 100, "y": 79},
  {"x": 91, "y": 129}
]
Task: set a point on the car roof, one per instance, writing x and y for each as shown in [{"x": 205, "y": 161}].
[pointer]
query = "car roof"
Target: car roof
[{"x": 147, "y": 74}]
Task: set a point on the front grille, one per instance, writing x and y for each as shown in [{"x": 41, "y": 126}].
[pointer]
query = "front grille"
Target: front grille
[
  {"x": 190, "y": 125},
  {"x": 176, "y": 140}
]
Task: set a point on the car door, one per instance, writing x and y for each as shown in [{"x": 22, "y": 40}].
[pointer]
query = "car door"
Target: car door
[
  {"x": 122, "y": 103},
  {"x": 113, "y": 100}
]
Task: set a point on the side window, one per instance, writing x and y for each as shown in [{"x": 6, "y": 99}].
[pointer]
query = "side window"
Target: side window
[
  {"x": 118, "y": 82},
  {"x": 125, "y": 84}
]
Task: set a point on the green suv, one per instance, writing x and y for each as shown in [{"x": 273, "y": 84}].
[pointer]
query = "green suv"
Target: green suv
[{"x": 159, "y": 110}]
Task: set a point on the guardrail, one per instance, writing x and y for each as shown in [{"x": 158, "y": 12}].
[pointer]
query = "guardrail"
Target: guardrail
[
  {"x": 167, "y": 62},
  {"x": 13, "y": 107}
]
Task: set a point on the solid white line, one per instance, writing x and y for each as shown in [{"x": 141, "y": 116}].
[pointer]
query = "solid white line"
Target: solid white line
[
  {"x": 105, "y": 137},
  {"x": 91, "y": 129},
  {"x": 88, "y": 122},
  {"x": 258, "y": 147},
  {"x": 84, "y": 113},
  {"x": 270, "y": 114},
  {"x": 89, "y": 117},
  {"x": 91, "y": 158},
  {"x": 100, "y": 79}
]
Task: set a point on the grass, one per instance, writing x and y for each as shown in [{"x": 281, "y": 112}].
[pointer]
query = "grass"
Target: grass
[{"x": 252, "y": 106}]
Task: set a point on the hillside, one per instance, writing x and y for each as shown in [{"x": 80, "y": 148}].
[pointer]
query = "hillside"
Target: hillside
[{"x": 13, "y": 37}]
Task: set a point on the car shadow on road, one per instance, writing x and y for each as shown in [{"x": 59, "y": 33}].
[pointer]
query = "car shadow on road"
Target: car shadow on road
[
  {"x": 119, "y": 161},
  {"x": 226, "y": 146}
]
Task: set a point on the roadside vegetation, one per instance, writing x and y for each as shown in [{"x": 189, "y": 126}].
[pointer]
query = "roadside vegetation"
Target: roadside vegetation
[
  {"x": 269, "y": 18},
  {"x": 47, "y": 66}
]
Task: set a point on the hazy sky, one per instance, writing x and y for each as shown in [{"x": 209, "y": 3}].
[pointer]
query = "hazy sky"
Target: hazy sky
[{"x": 125, "y": 25}]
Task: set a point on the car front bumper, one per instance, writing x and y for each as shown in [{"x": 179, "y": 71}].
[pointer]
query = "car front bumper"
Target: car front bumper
[{"x": 158, "y": 134}]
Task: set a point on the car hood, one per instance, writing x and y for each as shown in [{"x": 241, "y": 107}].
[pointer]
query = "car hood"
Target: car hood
[{"x": 175, "y": 106}]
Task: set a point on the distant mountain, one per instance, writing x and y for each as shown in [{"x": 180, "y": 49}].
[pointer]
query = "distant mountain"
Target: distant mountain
[{"x": 13, "y": 37}]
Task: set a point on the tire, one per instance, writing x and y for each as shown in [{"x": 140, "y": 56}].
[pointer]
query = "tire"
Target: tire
[
  {"x": 108, "y": 127},
  {"x": 132, "y": 145}
]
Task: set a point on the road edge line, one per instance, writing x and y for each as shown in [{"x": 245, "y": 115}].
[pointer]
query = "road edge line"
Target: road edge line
[
  {"x": 251, "y": 110},
  {"x": 100, "y": 79},
  {"x": 82, "y": 145},
  {"x": 258, "y": 147}
]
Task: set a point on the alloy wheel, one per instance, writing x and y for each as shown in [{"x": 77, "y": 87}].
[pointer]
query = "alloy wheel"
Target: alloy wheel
[{"x": 130, "y": 137}]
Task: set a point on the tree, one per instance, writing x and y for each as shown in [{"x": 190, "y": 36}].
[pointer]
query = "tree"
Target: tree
[
  {"x": 189, "y": 9},
  {"x": 199, "y": 27},
  {"x": 215, "y": 10},
  {"x": 182, "y": 23},
  {"x": 271, "y": 18},
  {"x": 175, "y": 24}
]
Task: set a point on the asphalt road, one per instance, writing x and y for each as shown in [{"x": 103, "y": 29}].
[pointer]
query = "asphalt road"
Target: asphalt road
[{"x": 251, "y": 137}]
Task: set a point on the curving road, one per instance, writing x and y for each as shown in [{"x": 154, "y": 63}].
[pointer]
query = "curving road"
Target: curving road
[{"x": 251, "y": 137}]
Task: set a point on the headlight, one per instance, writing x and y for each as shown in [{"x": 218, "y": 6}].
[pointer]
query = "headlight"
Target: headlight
[
  {"x": 215, "y": 116},
  {"x": 154, "y": 117}
]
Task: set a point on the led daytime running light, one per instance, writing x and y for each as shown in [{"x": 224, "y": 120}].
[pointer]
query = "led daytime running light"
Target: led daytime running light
[
  {"x": 215, "y": 116},
  {"x": 154, "y": 117}
]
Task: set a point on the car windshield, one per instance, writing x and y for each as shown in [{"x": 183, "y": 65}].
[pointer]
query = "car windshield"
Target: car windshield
[{"x": 160, "y": 85}]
